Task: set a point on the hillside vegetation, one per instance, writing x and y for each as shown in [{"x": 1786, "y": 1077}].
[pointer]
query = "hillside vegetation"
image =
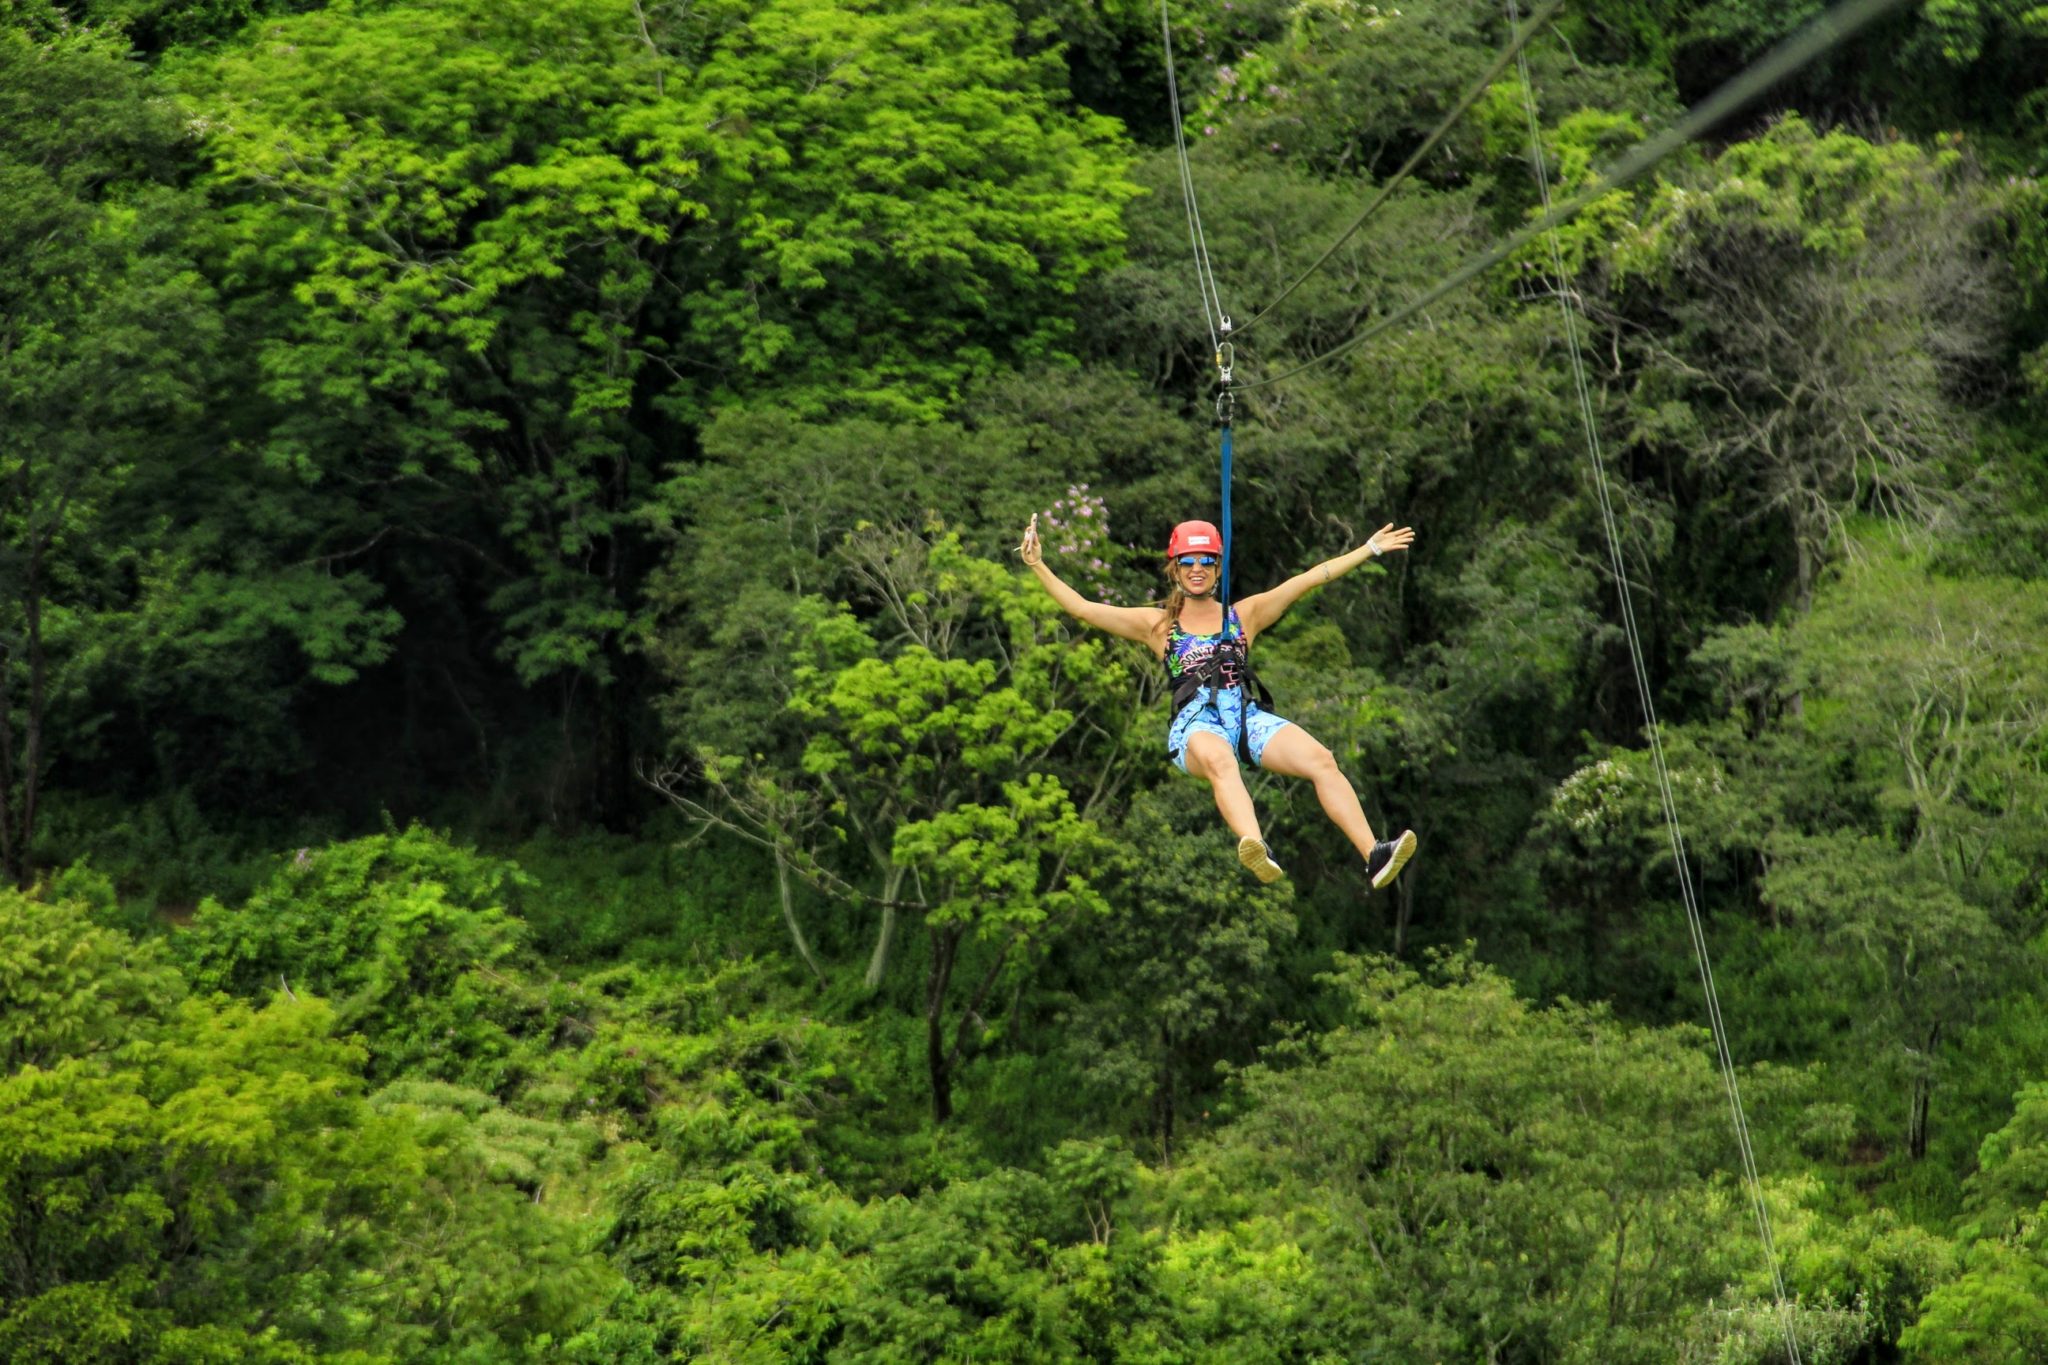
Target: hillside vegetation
[{"x": 541, "y": 819}]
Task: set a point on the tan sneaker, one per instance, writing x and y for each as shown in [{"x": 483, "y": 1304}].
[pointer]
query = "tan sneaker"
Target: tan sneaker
[{"x": 1256, "y": 857}]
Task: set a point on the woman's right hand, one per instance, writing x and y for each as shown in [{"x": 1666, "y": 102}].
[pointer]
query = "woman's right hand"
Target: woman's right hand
[{"x": 1029, "y": 548}]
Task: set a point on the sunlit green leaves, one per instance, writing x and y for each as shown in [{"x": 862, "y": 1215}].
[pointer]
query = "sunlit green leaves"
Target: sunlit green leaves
[
  {"x": 901, "y": 202},
  {"x": 1824, "y": 191},
  {"x": 69, "y": 987},
  {"x": 504, "y": 249},
  {"x": 205, "y": 1181},
  {"x": 1994, "y": 1311},
  {"x": 404, "y": 931},
  {"x": 1489, "y": 1176}
]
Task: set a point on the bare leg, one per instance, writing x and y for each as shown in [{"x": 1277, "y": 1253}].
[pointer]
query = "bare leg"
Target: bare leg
[
  {"x": 1294, "y": 752},
  {"x": 1215, "y": 762}
]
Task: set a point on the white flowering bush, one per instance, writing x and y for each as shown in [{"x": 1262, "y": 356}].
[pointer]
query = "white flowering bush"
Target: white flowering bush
[
  {"x": 1586, "y": 801},
  {"x": 1612, "y": 803}
]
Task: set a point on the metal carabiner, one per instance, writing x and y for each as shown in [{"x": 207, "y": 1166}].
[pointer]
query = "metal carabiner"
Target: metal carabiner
[
  {"x": 1226, "y": 407},
  {"x": 1226, "y": 361}
]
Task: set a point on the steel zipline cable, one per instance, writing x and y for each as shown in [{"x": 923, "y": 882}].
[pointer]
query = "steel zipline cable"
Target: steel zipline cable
[
  {"x": 1213, "y": 313},
  {"x": 1823, "y": 34},
  {"x": 1219, "y": 322},
  {"x": 1752, "y": 1181},
  {"x": 1511, "y": 53},
  {"x": 1205, "y": 278}
]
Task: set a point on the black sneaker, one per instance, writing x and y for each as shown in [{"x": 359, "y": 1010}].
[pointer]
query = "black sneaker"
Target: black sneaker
[
  {"x": 1389, "y": 856},
  {"x": 1256, "y": 857}
]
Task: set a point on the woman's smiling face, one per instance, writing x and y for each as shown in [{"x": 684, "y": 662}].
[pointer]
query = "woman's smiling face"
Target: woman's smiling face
[{"x": 1196, "y": 574}]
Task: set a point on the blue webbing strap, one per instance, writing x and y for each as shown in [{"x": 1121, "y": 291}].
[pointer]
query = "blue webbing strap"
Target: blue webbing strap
[
  {"x": 1244, "y": 729},
  {"x": 1223, "y": 579}
]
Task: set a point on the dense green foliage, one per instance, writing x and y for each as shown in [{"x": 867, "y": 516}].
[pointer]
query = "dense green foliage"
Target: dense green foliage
[{"x": 539, "y": 820}]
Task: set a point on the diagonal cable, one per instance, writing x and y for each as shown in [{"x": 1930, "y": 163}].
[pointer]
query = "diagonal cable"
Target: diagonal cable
[
  {"x": 1512, "y": 52},
  {"x": 1823, "y": 34},
  {"x": 1205, "y": 278},
  {"x": 1752, "y": 1180}
]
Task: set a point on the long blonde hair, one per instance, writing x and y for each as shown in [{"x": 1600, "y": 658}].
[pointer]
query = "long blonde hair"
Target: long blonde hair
[{"x": 1176, "y": 598}]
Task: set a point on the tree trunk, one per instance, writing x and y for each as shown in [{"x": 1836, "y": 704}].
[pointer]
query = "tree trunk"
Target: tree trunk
[
  {"x": 1802, "y": 602},
  {"x": 796, "y": 931},
  {"x": 878, "y": 961},
  {"x": 1404, "y": 910},
  {"x": 1595, "y": 938},
  {"x": 612, "y": 758},
  {"x": 560, "y": 792},
  {"x": 19, "y": 818},
  {"x": 9, "y": 866},
  {"x": 1923, "y": 1095},
  {"x": 1163, "y": 1098},
  {"x": 945, "y": 948}
]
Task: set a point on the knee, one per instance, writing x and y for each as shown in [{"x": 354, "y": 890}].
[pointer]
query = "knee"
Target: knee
[
  {"x": 1204, "y": 762},
  {"x": 1320, "y": 763}
]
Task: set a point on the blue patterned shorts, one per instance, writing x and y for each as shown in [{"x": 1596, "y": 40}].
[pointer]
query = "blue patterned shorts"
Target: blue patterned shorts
[{"x": 1222, "y": 714}]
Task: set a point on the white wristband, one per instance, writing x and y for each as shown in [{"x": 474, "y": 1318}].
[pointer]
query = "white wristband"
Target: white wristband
[{"x": 1372, "y": 549}]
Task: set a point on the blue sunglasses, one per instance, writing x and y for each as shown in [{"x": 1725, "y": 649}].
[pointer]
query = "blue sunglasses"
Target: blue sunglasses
[{"x": 1189, "y": 561}]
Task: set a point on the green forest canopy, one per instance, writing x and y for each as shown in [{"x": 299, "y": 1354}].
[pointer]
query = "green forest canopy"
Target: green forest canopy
[{"x": 542, "y": 822}]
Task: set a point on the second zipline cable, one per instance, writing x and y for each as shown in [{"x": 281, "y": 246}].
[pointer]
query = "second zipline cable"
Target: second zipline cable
[
  {"x": 1752, "y": 1180},
  {"x": 1517, "y": 42},
  {"x": 1828, "y": 31}
]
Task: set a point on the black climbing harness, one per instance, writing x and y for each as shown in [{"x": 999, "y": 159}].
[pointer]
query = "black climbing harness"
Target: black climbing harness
[{"x": 1227, "y": 668}]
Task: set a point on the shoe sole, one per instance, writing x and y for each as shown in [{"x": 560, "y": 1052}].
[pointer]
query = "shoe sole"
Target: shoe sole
[
  {"x": 1252, "y": 853},
  {"x": 1404, "y": 849}
]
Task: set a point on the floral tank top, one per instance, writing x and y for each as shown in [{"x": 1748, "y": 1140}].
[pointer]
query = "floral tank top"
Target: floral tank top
[{"x": 1188, "y": 655}]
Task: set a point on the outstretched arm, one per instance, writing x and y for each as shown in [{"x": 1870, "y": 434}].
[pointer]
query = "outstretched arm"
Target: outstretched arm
[
  {"x": 1132, "y": 623},
  {"x": 1262, "y": 609}
]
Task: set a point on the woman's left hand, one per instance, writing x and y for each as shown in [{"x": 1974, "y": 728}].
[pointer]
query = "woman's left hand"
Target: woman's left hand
[{"x": 1386, "y": 540}]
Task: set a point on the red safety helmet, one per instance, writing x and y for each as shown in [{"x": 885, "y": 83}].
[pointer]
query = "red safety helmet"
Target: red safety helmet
[{"x": 1194, "y": 537}]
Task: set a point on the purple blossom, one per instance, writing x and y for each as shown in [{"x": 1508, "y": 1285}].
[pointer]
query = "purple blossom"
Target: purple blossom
[{"x": 1209, "y": 130}]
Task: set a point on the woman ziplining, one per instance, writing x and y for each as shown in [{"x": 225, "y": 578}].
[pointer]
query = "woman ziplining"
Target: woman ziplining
[{"x": 1205, "y": 647}]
